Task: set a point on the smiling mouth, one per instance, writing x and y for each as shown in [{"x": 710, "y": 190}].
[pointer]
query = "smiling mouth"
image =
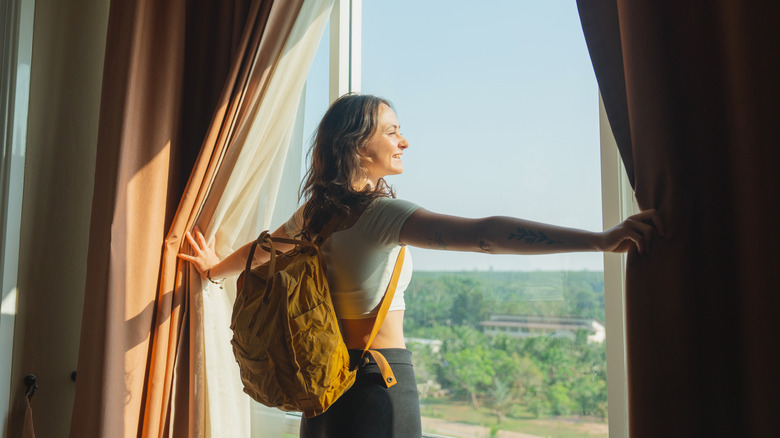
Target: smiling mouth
[{"x": 397, "y": 156}]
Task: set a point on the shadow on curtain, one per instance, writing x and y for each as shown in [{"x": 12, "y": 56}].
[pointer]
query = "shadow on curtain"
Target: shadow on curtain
[
  {"x": 699, "y": 132},
  {"x": 175, "y": 72}
]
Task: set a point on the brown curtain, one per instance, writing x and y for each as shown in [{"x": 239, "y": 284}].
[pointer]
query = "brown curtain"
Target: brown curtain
[
  {"x": 695, "y": 85},
  {"x": 176, "y": 72}
]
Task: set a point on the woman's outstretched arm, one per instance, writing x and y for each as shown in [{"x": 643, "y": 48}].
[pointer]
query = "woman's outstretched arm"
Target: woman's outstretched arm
[
  {"x": 507, "y": 235},
  {"x": 204, "y": 258}
]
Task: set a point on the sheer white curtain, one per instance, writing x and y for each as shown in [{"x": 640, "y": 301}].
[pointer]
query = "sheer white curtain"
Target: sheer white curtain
[{"x": 244, "y": 210}]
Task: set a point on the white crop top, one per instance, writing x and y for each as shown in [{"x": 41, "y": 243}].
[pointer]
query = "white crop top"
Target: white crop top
[{"x": 360, "y": 259}]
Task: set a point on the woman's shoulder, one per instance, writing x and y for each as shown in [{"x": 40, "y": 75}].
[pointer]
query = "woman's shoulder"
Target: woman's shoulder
[
  {"x": 294, "y": 225},
  {"x": 385, "y": 204},
  {"x": 387, "y": 212},
  {"x": 381, "y": 221}
]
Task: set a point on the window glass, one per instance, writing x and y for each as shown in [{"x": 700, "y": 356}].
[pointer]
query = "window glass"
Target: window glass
[
  {"x": 500, "y": 105},
  {"x": 316, "y": 94}
]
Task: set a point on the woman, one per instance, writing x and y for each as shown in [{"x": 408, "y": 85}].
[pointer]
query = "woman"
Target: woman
[{"x": 357, "y": 144}]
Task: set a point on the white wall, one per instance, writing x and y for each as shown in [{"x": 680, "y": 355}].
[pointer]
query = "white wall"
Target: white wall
[{"x": 66, "y": 73}]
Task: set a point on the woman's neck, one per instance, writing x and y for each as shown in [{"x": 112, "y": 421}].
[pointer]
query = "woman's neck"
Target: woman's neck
[{"x": 360, "y": 185}]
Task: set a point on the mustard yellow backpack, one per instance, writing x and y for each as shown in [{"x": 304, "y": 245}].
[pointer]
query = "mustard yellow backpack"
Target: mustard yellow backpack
[{"x": 286, "y": 337}]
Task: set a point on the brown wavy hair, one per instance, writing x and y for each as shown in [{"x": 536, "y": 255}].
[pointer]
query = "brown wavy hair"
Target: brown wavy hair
[{"x": 330, "y": 186}]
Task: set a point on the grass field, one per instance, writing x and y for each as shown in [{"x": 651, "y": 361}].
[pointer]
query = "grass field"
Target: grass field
[{"x": 460, "y": 419}]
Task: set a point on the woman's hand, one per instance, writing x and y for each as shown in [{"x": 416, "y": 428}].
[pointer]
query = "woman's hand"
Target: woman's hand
[
  {"x": 204, "y": 257},
  {"x": 638, "y": 230}
]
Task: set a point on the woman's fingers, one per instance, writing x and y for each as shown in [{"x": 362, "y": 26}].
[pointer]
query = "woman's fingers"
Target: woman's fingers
[
  {"x": 192, "y": 241},
  {"x": 203, "y": 255},
  {"x": 636, "y": 236},
  {"x": 645, "y": 235},
  {"x": 198, "y": 242},
  {"x": 201, "y": 240},
  {"x": 650, "y": 217},
  {"x": 198, "y": 250},
  {"x": 657, "y": 224},
  {"x": 642, "y": 227}
]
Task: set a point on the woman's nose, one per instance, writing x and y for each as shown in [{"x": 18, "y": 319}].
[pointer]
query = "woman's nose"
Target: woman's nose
[{"x": 404, "y": 143}]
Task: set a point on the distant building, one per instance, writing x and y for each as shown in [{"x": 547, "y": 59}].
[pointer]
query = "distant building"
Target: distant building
[{"x": 524, "y": 326}]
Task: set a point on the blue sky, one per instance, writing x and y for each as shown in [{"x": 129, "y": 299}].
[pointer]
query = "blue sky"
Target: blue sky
[{"x": 500, "y": 105}]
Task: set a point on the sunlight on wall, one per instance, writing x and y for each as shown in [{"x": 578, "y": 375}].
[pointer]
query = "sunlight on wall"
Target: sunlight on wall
[{"x": 9, "y": 303}]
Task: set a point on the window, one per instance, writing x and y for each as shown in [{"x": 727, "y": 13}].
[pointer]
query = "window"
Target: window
[
  {"x": 520, "y": 80},
  {"x": 500, "y": 106}
]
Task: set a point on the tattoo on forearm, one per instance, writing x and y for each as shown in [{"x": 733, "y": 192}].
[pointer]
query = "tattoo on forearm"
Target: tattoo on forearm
[
  {"x": 532, "y": 237},
  {"x": 437, "y": 241}
]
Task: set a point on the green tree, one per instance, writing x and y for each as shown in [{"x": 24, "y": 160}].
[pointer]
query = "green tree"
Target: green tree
[
  {"x": 551, "y": 376},
  {"x": 467, "y": 305},
  {"x": 503, "y": 398},
  {"x": 472, "y": 369},
  {"x": 586, "y": 391},
  {"x": 513, "y": 377},
  {"x": 560, "y": 402},
  {"x": 428, "y": 302}
]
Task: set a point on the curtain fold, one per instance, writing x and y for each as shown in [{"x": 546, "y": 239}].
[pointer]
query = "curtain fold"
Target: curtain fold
[
  {"x": 175, "y": 72},
  {"x": 267, "y": 27},
  {"x": 28, "y": 430},
  {"x": 246, "y": 184},
  {"x": 702, "y": 310},
  {"x": 602, "y": 29}
]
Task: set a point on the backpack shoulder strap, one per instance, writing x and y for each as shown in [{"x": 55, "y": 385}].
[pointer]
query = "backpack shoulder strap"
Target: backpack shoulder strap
[
  {"x": 387, "y": 299},
  {"x": 328, "y": 229}
]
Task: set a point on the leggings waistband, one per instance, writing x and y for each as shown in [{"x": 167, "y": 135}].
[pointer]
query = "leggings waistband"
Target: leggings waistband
[{"x": 393, "y": 356}]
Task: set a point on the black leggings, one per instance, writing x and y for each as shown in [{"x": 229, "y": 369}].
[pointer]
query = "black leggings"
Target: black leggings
[{"x": 368, "y": 409}]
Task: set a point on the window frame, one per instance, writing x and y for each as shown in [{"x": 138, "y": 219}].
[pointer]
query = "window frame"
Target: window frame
[
  {"x": 617, "y": 203},
  {"x": 345, "y": 47},
  {"x": 16, "y": 50}
]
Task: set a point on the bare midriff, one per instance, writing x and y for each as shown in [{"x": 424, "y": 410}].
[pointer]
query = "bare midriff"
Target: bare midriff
[{"x": 391, "y": 335}]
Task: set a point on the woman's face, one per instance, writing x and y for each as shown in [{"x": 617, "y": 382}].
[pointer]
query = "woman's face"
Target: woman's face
[{"x": 382, "y": 153}]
